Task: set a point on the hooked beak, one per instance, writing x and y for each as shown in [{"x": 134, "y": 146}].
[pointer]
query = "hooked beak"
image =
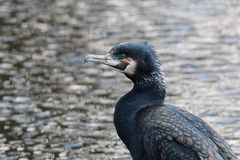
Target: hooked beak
[{"x": 107, "y": 60}]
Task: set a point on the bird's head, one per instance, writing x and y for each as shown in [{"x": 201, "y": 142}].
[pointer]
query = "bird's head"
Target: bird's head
[{"x": 135, "y": 59}]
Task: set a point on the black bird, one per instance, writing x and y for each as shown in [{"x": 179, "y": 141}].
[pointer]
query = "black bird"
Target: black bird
[{"x": 151, "y": 129}]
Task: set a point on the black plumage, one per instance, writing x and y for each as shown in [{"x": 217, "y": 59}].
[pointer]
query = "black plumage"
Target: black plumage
[{"x": 151, "y": 129}]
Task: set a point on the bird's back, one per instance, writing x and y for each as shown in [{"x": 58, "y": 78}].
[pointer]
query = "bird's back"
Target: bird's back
[{"x": 172, "y": 133}]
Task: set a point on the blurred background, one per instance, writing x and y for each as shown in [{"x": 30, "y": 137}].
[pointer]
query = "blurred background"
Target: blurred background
[{"x": 52, "y": 106}]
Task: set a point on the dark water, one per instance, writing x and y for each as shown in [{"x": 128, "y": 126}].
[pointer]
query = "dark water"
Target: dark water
[{"x": 52, "y": 106}]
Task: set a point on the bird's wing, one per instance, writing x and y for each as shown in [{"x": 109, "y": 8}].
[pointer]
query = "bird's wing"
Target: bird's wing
[
  {"x": 209, "y": 132},
  {"x": 163, "y": 128}
]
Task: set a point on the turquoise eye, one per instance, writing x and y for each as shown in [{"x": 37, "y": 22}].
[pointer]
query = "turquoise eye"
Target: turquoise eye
[{"x": 121, "y": 56}]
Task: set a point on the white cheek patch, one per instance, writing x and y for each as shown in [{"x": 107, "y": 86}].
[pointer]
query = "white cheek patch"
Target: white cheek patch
[{"x": 131, "y": 68}]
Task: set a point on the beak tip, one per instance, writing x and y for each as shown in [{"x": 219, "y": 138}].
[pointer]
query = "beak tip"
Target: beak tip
[{"x": 86, "y": 59}]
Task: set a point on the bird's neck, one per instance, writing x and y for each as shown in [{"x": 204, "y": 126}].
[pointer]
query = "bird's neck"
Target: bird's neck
[
  {"x": 149, "y": 91},
  {"x": 153, "y": 83}
]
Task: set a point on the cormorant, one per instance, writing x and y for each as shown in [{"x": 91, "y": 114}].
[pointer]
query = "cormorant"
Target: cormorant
[{"x": 151, "y": 129}]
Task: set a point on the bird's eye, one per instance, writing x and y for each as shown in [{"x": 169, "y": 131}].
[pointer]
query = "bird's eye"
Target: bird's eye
[{"x": 121, "y": 56}]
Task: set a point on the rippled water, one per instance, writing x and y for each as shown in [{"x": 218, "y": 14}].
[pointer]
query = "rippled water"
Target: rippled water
[{"x": 52, "y": 106}]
